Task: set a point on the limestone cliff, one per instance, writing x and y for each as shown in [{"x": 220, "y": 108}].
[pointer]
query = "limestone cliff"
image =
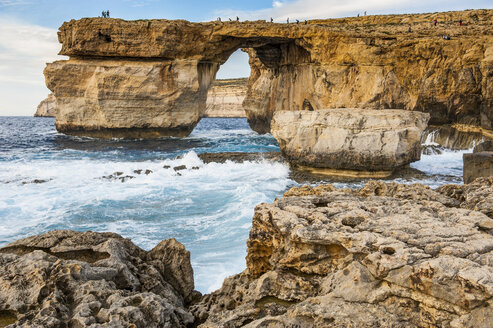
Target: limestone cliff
[
  {"x": 47, "y": 107},
  {"x": 225, "y": 98},
  {"x": 152, "y": 76}
]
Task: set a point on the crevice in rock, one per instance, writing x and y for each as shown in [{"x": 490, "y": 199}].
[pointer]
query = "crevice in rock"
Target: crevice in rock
[
  {"x": 261, "y": 303},
  {"x": 7, "y": 318},
  {"x": 84, "y": 255}
]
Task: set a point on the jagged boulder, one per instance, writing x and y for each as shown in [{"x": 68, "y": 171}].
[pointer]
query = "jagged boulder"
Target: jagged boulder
[
  {"x": 350, "y": 139},
  {"x": 386, "y": 255},
  {"x": 80, "y": 279}
]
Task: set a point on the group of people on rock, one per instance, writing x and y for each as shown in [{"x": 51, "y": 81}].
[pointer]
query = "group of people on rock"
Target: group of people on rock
[{"x": 105, "y": 14}]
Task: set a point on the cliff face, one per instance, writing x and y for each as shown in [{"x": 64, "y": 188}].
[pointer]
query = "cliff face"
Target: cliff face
[
  {"x": 47, "y": 107},
  {"x": 225, "y": 98},
  {"x": 155, "y": 74}
]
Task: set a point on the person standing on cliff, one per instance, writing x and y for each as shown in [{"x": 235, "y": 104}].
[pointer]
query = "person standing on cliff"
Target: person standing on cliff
[
  {"x": 103, "y": 13},
  {"x": 287, "y": 20},
  {"x": 435, "y": 22},
  {"x": 460, "y": 22},
  {"x": 237, "y": 18},
  {"x": 107, "y": 13},
  {"x": 271, "y": 20}
]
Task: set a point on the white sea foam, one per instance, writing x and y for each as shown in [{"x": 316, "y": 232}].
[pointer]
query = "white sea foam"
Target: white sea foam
[{"x": 206, "y": 208}]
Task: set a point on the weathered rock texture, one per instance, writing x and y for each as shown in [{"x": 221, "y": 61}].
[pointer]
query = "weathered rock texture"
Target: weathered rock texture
[
  {"x": 477, "y": 164},
  {"x": 47, "y": 107},
  {"x": 75, "y": 279},
  {"x": 225, "y": 98},
  {"x": 350, "y": 139},
  {"x": 386, "y": 255},
  {"x": 153, "y": 75}
]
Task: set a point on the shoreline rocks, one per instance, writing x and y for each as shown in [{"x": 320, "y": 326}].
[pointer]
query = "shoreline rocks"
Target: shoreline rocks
[
  {"x": 350, "y": 139},
  {"x": 479, "y": 163},
  {"x": 63, "y": 278},
  {"x": 385, "y": 255}
]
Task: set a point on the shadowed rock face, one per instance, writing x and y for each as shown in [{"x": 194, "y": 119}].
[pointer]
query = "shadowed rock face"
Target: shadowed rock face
[{"x": 154, "y": 74}]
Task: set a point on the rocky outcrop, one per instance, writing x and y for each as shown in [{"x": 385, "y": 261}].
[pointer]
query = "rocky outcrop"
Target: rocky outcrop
[
  {"x": 386, "y": 255},
  {"x": 225, "y": 98},
  {"x": 47, "y": 107},
  {"x": 152, "y": 76},
  {"x": 67, "y": 278},
  {"x": 477, "y": 165},
  {"x": 350, "y": 139}
]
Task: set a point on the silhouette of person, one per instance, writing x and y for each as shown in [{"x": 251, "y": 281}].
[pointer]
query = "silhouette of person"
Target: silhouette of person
[
  {"x": 237, "y": 18},
  {"x": 287, "y": 20},
  {"x": 271, "y": 20},
  {"x": 103, "y": 13},
  {"x": 108, "y": 13},
  {"x": 305, "y": 22},
  {"x": 435, "y": 22},
  {"x": 297, "y": 21}
]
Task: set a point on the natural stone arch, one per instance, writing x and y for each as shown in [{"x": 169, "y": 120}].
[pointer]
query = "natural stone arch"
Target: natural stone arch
[{"x": 150, "y": 77}]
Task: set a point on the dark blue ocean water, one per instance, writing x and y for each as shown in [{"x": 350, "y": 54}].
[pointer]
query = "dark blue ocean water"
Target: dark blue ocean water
[{"x": 53, "y": 181}]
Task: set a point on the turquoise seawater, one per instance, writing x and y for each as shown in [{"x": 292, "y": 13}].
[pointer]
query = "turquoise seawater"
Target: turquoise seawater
[{"x": 53, "y": 181}]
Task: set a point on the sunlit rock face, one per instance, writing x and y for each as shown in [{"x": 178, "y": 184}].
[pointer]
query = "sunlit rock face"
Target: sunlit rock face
[
  {"x": 386, "y": 255},
  {"x": 153, "y": 75},
  {"x": 47, "y": 107},
  {"x": 349, "y": 138},
  {"x": 225, "y": 98}
]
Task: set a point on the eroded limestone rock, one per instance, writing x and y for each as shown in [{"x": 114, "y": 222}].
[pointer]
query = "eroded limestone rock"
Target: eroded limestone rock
[
  {"x": 386, "y": 255},
  {"x": 350, "y": 139},
  {"x": 225, "y": 98},
  {"x": 47, "y": 107},
  {"x": 127, "y": 77},
  {"x": 82, "y": 279}
]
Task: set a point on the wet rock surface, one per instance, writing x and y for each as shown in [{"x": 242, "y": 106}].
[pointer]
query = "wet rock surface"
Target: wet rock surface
[
  {"x": 385, "y": 255},
  {"x": 81, "y": 279}
]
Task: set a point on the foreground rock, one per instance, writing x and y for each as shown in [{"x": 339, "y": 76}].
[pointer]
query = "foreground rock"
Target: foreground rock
[
  {"x": 350, "y": 139},
  {"x": 151, "y": 77},
  {"x": 479, "y": 163},
  {"x": 67, "y": 278},
  {"x": 386, "y": 255},
  {"x": 225, "y": 98},
  {"x": 47, "y": 107}
]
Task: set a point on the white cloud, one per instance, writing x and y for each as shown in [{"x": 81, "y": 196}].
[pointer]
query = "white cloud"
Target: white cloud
[
  {"x": 24, "y": 51},
  {"x": 308, "y": 9},
  {"x": 5, "y": 3}
]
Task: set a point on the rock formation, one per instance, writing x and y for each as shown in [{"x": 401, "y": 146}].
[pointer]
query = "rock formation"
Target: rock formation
[
  {"x": 47, "y": 107},
  {"x": 386, "y": 255},
  {"x": 67, "y": 278},
  {"x": 479, "y": 163},
  {"x": 349, "y": 138},
  {"x": 225, "y": 98},
  {"x": 151, "y": 77}
]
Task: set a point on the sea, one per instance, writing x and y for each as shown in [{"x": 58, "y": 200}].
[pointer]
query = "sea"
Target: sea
[{"x": 52, "y": 181}]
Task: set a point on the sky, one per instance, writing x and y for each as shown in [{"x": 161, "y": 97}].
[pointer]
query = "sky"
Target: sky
[{"x": 28, "y": 38}]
